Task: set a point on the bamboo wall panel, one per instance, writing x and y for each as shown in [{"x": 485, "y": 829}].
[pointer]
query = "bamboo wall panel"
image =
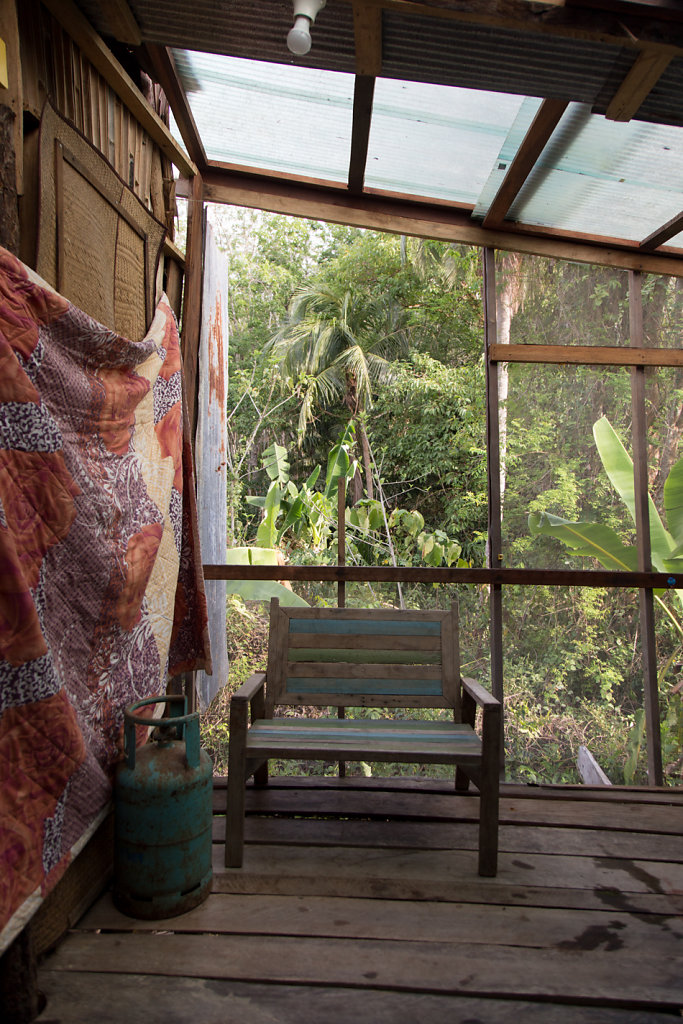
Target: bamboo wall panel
[{"x": 54, "y": 67}]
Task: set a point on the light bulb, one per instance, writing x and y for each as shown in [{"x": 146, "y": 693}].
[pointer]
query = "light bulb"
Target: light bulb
[{"x": 299, "y": 37}]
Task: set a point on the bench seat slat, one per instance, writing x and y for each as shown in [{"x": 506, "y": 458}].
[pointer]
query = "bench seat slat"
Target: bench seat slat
[
  {"x": 365, "y": 739},
  {"x": 366, "y": 627}
]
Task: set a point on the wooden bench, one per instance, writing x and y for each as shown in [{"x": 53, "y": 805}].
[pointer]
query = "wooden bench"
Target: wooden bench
[{"x": 348, "y": 657}]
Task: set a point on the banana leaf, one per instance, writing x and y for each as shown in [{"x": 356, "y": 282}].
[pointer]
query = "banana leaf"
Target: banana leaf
[{"x": 592, "y": 540}]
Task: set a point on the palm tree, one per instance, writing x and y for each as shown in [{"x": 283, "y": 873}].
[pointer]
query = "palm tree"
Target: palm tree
[{"x": 340, "y": 343}]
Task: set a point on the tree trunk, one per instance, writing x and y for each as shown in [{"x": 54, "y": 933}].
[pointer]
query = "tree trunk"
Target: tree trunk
[
  {"x": 367, "y": 461},
  {"x": 509, "y": 299}
]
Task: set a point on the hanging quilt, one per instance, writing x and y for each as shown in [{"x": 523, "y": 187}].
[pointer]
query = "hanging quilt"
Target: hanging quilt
[{"x": 101, "y": 592}]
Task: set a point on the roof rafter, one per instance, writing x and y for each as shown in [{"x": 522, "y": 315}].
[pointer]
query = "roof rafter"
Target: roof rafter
[
  {"x": 663, "y": 234},
  {"x": 164, "y": 67},
  {"x": 367, "y": 29},
  {"x": 533, "y": 144},
  {"x": 647, "y": 69}
]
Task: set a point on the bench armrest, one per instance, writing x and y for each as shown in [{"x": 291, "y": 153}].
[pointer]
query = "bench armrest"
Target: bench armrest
[
  {"x": 250, "y": 689},
  {"x": 479, "y": 694}
]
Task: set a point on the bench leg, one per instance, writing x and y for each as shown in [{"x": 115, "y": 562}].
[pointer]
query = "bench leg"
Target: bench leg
[
  {"x": 234, "y": 812},
  {"x": 462, "y": 780},
  {"x": 261, "y": 775}
]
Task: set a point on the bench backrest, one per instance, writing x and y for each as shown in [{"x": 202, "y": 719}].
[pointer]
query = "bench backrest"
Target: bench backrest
[{"x": 361, "y": 657}]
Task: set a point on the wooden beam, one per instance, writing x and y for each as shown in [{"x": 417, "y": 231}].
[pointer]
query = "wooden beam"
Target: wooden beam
[
  {"x": 364, "y": 90},
  {"x": 367, "y": 31},
  {"x": 663, "y": 234},
  {"x": 586, "y": 355},
  {"x": 101, "y": 57},
  {"x": 410, "y": 218},
  {"x": 166, "y": 73},
  {"x": 482, "y": 577},
  {"x": 569, "y": 21},
  {"x": 192, "y": 298},
  {"x": 648, "y": 68},
  {"x": 121, "y": 22},
  {"x": 533, "y": 144}
]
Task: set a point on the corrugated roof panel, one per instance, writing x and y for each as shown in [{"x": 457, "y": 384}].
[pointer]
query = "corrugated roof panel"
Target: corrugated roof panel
[
  {"x": 435, "y": 140},
  {"x": 292, "y": 120},
  {"x": 613, "y": 178},
  {"x": 241, "y": 28},
  {"x": 501, "y": 60}
]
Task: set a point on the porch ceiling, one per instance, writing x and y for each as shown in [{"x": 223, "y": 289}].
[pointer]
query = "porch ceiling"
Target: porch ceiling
[{"x": 557, "y": 118}]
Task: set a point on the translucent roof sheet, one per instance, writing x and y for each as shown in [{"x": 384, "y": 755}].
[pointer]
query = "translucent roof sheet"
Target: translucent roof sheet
[
  {"x": 273, "y": 116},
  {"x": 436, "y": 140},
  {"x": 618, "y": 179},
  {"x": 595, "y": 177}
]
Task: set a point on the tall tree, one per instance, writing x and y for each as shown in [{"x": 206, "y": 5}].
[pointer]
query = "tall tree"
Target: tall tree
[{"x": 337, "y": 343}]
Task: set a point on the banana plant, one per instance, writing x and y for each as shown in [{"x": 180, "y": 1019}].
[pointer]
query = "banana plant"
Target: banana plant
[{"x": 596, "y": 540}]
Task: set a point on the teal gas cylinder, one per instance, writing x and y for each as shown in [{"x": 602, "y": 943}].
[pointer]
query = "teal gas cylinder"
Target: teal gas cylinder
[{"x": 162, "y": 813}]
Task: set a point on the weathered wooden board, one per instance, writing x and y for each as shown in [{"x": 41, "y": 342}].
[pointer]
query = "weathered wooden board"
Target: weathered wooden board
[
  {"x": 451, "y": 876},
  {"x": 672, "y": 796},
  {"x": 210, "y": 452},
  {"x": 658, "y": 818},
  {"x": 423, "y": 835},
  {"x": 610, "y": 978},
  {"x": 82, "y": 998},
  {"x": 538, "y": 928}
]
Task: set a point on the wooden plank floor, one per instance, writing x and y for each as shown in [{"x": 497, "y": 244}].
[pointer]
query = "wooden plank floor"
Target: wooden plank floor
[{"x": 360, "y": 902}]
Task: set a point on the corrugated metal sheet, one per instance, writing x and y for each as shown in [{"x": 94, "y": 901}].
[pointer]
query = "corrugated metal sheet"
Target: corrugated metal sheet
[
  {"x": 500, "y": 60},
  {"x": 415, "y": 48}
]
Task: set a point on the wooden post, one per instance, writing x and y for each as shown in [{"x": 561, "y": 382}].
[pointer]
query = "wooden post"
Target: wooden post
[
  {"x": 647, "y": 615},
  {"x": 494, "y": 543},
  {"x": 341, "y": 585},
  {"x": 341, "y": 538},
  {"x": 192, "y": 300}
]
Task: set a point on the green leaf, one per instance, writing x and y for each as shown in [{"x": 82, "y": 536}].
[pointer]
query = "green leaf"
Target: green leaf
[
  {"x": 619, "y": 468},
  {"x": 310, "y": 483},
  {"x": 673, "y": 501},
  {"x": 251, "y": 556},
  {"x": 263, "y": 590},
  {"x": 255, "y": 499},
  {"x": 276, "y": 464},
  {"x": 292, "y": 517},
  {"x": 587, "y": 539},
  {"x": 338, "y": 462}
]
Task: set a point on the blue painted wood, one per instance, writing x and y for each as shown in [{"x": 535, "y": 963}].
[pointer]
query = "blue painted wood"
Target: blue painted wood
[
  {"x": 366, "y": 627},
  {"x": 400, "y": 687}
]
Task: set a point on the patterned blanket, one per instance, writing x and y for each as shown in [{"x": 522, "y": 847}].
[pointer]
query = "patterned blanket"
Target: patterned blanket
[{"x": 101, "y": 593}]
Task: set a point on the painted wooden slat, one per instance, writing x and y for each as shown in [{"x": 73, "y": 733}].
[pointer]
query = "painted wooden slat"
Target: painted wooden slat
[
  {"x": 336, "y": 685},
  {"x": 371, "y": 614},
  {"x": 365, "y": 657},
  {"x": 410, "y": 627},
  {"x": 366, "y": 643},
  {"x": 347, "y": 670},
  {"x": 400, "y": 726}
]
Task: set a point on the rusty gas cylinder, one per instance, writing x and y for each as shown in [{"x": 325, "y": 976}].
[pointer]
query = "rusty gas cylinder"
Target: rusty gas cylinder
[{"x": 163, "y": 814}]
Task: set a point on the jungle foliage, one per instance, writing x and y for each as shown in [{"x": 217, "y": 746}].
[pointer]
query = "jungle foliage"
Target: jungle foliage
[{"x": 360, "y": 356}]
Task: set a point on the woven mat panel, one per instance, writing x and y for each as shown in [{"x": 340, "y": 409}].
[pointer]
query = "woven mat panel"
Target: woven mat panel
[{"x": 98, "y": 245}]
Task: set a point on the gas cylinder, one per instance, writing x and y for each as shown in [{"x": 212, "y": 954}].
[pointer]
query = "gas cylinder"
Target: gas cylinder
[{"x": 162, "y": 814}]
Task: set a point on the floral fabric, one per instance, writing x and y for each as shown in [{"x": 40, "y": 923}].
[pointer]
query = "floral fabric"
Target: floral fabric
[{"x": 101, "y": 593}]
